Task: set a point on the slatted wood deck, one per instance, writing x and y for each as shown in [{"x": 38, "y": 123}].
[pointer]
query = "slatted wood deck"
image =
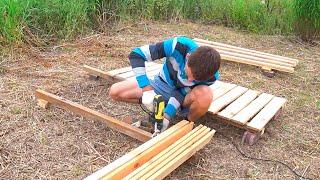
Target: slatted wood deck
[{"x": 237, "y": 105}]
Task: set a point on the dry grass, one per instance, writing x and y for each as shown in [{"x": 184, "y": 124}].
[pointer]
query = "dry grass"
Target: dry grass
[{"x": 55, "y": 143}]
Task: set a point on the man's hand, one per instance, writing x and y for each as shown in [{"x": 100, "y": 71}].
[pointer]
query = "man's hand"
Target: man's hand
[{"x": 147, "y": 99}]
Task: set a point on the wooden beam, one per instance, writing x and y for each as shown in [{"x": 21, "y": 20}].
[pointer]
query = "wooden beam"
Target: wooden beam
[
  {"x": 181, "y": 156},
  {"x": 250, "y": 56},
  {"x": 239, "y": 104},
  {"x": 250, "y": 61},
  {"x": 148, "y": 70},
  {"x": 226, "y": 99},
  {"x": 257, "y": 63},
  {"x": 246, "y": 53},
  {"x": 253, "y": 108},
  {"x": 165, "y": 155},
  {"x": 94, "y": 115},
  {"x": 96, "y": 72},
  {"x": 142, "y": 158},
  {"x": 226, "y": 87},
  {"x": 136, "y": 152},
  {"x": 266, "y": 114},
  {"x": 244, "y": 49}
]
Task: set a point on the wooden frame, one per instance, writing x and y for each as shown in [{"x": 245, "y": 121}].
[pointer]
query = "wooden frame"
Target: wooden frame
[
  {"x": 132, "y": 131},
  {"x": 232, "y": 104}
]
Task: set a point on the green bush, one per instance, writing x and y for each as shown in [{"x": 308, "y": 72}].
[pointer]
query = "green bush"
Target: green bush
[
  {"x": 29, "y": 20},
  {"x": 307, "y": 18},
  {"x": 41, "y": 18}
]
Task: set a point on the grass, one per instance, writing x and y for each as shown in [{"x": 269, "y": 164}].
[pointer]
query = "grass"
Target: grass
[
  {"x": 35, "y": 20},
  {"x": 43, "y": 19},
  {"x": 292, "y": 138}
]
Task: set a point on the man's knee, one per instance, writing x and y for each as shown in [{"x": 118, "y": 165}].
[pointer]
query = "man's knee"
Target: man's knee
[
  {"x": 114, "y": 92},
  {"x": 203, "y": 96}
]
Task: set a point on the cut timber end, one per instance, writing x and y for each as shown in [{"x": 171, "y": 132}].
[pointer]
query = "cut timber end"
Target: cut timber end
[{"x": 43, "y": 103}]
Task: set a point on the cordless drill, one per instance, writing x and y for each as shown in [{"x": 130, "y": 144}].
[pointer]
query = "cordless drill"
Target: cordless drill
[{"x": 157, "y": 115}]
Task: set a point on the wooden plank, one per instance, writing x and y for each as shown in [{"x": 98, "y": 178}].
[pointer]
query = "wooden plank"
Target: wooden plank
[
  {"x": 226, "y": 87},
  {"x": 139, "y": 150},
  {"x": 174, "y": 151},
  {"x": 142, "y": 158},
  {"x": 239, "y": 104},
  {"x": 253, "y": 108},
  {"x": 244, "y": 49},
  {"x": 217, "y": 84},
  {"x": 258, "y": 55},
  {"x": 148, "y": 70},
  {"x": 257, "y": 63},
  {"x": 181, "y": 156},
  {"x": 250, "y": 56},
  {"x": 94, "y": 115},
  {"x": 97, "y": 72},
  {"x": 226, "y": 99},
  {"x": 129, "y": 68},
  {"x": 145, "y": 168},
  {"x": 265, "y": 115}
]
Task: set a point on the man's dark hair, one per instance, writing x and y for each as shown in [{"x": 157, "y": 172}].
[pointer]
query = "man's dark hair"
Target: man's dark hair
[{"x": 204, "y": 62}]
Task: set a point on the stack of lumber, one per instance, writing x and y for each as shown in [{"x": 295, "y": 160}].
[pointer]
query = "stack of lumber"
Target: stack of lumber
[
  {"x": 242, "y": 55},
  {"x": 158, "y": 157}
]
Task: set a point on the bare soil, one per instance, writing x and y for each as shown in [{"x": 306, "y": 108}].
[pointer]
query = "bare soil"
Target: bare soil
[{"x": 56, "y": 144}]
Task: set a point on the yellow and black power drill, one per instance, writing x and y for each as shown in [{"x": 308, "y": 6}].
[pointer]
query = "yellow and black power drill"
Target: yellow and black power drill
[{"x": 157, "y": 116}]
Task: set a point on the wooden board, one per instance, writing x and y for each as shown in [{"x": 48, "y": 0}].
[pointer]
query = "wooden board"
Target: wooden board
[
  {"x": 229, "y": 52},
  {"x": 266, "y": 114},
  {"x": 145, "y": 156},
  {"x": 182, "y": 156},
  {"x": 127, "y": 69},
  {"x": 239, "y": 104},
  {"x": 252, "y": 109},
  {"x": 245, "y": 50},
  {"x": 145, "y": 168},
  {"x": 221, "y": 90},
  {"x": 139, "y": 150},
  {"x": 94, "y": 115},
  {"x": 251, "y": 61},
  {"x": 97, "y": 72},
  {"x": 129, "y": 74},
  {"x": 174, "y": 151},
  {"x": 226, "y": 99}
]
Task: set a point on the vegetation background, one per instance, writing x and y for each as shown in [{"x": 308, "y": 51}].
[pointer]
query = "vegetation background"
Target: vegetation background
[{"x": 40, "y": 21}]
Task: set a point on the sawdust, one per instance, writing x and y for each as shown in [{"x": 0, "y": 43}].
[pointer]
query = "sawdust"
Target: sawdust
[{"x": 55, "y": 143}]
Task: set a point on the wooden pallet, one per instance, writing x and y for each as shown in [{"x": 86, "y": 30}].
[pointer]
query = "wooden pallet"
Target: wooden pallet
[
  {"x": 159, "y": 156},
  {"x": 242, "y": 107},
  {"x": 268, "y": 62}
]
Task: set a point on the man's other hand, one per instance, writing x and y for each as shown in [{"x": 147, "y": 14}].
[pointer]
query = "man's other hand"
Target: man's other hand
[{"x": 147, "y": 99}]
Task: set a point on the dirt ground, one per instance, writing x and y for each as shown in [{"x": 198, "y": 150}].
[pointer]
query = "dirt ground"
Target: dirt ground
[{"x": 56, "y": 144}]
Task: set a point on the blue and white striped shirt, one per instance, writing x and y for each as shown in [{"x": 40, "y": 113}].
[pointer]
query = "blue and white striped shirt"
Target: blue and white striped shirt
[{"x": 173, "y": 72}]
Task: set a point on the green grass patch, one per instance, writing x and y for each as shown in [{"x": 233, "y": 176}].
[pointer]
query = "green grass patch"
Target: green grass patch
[
  {"x": 31, "y": 20},
  {"x": 16, "y": 110}
]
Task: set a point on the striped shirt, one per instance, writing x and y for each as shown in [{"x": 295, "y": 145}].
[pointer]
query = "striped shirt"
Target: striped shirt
[{"x": 174, "y": 51}]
